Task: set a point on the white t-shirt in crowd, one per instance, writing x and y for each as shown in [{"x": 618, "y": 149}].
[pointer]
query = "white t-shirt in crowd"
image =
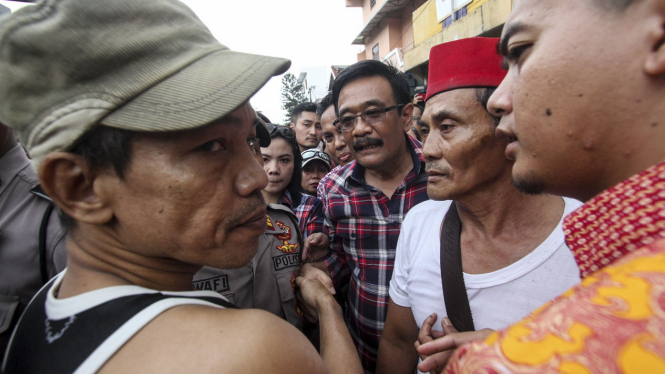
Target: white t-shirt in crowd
[{"x": 497, "y": 299}]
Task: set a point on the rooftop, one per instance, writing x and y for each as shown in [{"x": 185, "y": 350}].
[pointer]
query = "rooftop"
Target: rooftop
[{"x": 387, "y": 9}]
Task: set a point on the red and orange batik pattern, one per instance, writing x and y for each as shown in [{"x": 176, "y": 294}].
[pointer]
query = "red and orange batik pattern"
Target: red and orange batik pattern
[{"x": 614, "y": 321}]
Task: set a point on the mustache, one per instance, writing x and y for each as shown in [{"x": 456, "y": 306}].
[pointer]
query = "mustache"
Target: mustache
[
  {"x": 365, "y": 142},
  {"x": 444, "y": 170},
  {"x": 254, "y": 203}
]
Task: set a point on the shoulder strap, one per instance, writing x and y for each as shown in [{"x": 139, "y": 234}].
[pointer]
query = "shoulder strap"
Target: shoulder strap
[
  {"x": 452, "y": 277},
  {"x": 61, "y": 346},
  {"x": 43, "y": 228}
]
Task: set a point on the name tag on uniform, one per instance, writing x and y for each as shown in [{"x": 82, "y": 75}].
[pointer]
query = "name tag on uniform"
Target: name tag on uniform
[{"x": 219, "y": 284}]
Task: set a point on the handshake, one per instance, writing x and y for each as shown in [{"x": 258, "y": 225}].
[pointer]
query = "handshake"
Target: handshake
[{"x": 315, "y": 292}]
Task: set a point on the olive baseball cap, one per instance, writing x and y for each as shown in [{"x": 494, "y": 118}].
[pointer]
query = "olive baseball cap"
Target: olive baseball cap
[{"x": 140, "y": 65}]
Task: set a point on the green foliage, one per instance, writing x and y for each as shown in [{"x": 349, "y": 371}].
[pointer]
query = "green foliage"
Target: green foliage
[{"x": 293, "y": 94}]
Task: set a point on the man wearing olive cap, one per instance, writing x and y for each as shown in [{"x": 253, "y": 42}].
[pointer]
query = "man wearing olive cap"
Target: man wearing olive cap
[{"x": 139, "y": 127}]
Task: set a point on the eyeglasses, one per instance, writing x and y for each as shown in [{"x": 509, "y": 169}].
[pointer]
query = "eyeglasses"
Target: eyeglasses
[
  {"x": 371, "y": 117},
  {"x": 314, "y": 153},
  {"x": 284, "y": 130}
]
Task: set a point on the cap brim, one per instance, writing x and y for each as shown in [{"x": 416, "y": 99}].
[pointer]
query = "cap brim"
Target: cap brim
[
  {"x": 199, "y": 94},
  {"x": 316, "y": 158}
]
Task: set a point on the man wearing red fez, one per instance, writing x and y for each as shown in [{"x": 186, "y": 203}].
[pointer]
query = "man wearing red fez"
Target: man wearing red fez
[
  {"x": 583, "y": 111},
  {"x": 502, "y": 252}
]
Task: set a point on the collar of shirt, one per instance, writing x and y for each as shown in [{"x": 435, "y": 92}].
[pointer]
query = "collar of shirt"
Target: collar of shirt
[
  {"x": 271, "y": 227},
  {"x": 11, "y": 163},
  {"x": 286, "y": 199},
  {"x": 618, "y": 221},
  {"x": 415, "y": 149}
]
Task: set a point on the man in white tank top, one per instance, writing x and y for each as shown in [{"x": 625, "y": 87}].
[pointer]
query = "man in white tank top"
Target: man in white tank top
[
  {"x": 513, "y": 254},
  {"x": 139, "y": 126}
]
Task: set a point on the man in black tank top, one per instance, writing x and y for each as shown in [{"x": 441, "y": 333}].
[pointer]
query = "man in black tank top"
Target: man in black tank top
[{"x": 139, "y": 127}]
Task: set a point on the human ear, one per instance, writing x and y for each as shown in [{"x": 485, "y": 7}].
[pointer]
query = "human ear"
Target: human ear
[
  {"x": 407, "y": 113},
  {"x": 292, "y": 125},
  {"x": 70, "y": 183},
  {"x": 655, "y": 62}
]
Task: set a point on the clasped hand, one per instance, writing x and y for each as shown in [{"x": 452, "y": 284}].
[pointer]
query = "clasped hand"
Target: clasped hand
[
  {"x": 436, "y": 347},
  {"x": 316, "y": 247},
  {"x": 314, "y": 289}
]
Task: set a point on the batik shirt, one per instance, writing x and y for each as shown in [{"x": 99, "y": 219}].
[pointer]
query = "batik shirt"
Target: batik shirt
[
  {"x": 363, "y": 225},
  {"x": 309, "y": 213},
  {"x": 614, "y": 321}
]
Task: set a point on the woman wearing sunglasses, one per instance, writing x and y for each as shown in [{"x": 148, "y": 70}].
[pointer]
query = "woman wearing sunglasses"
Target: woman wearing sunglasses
[
  {"x": 283, "y": 162},
  {"x": 315, "y": 166}
]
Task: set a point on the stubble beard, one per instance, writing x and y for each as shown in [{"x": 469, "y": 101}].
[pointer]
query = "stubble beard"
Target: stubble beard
[{"x": 529, "y": 184}]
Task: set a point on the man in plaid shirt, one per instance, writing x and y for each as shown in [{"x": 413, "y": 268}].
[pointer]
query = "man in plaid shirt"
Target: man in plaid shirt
[{"x": 366, "y": 200}]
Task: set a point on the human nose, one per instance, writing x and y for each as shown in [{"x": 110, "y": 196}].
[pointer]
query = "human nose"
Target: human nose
[
  {"x": 501, "y": 101},
  {"x": 431, "y": 150},
  {"x": 252, "y": 177},
  {"x": 361, "y": 127},
  {"x": 271, "y": 168},
  {"x": 340, "y": 143}
]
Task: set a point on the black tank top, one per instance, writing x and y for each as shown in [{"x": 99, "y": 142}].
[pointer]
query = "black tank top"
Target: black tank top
[{"x": 84, "y": 341}]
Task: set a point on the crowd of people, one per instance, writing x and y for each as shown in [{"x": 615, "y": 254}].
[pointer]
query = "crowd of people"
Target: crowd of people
[{"x": 509, "y": 220}]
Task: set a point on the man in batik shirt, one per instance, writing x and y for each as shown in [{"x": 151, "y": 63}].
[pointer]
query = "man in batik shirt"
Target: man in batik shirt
[{"x": 583, "y": 105}]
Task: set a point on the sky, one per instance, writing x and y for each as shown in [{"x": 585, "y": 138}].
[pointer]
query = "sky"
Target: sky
[{"x": 308, "y": 32}]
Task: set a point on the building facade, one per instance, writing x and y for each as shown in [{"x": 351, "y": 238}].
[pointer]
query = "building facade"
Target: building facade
[
  {"x": 441, "y": 21},
  {"x": 387, "y": 33}
]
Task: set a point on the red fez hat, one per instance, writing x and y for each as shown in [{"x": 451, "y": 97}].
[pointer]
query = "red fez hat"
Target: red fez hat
[{"x": 464, "y": 63}]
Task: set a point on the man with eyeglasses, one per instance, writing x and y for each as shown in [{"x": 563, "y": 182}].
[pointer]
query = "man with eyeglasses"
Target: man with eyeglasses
[{"x": 365, "y": 201}]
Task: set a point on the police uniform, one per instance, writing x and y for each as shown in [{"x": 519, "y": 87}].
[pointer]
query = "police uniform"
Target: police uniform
[
  {"x": 268, "y": 281},
  {"x": 24, "y": 268}
]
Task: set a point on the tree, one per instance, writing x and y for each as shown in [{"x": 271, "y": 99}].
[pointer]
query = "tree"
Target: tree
[{"x": 293, "y": 94}]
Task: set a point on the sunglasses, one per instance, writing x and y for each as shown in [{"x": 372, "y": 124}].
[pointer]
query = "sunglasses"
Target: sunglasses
[
  {"x": 314, "y": 153},
  {"x": 285, "y": 131}
]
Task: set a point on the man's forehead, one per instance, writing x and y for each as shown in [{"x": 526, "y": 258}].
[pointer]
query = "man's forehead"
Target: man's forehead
[
  {"x": 531, "y": 11},
  {"x": 308, "y": 116},
  {"x": 327, "y": 123},
  {"x": 452, "y": 101},
  {"x": 365, "y": 91},
  {"x": 329, "y": 112}
]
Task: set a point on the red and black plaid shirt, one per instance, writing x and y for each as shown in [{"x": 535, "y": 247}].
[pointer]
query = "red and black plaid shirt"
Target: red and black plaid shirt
[
  {"x": 363, "y": 225},
  {"x": 309, "y": 213}
]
